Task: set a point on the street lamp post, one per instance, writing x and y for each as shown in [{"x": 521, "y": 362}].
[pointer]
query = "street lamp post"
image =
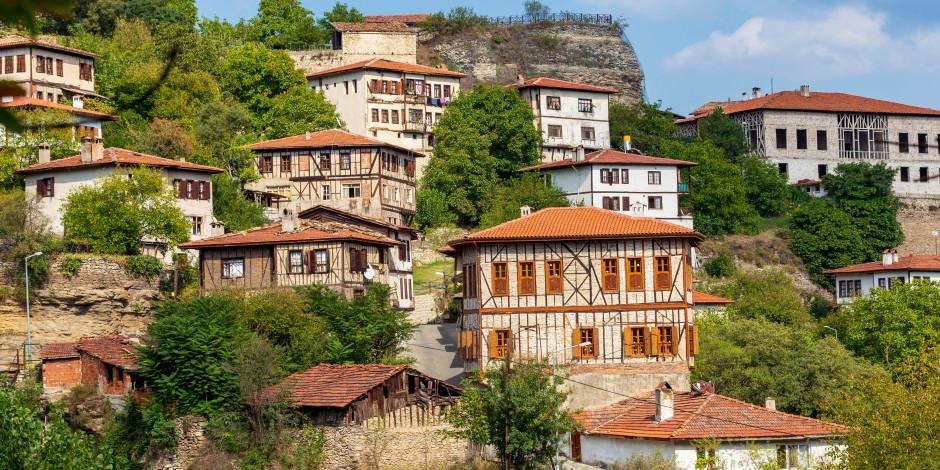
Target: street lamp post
[
  {"x": 579, "y": 345},
  {"x": 833, "y": 329},
  {"x": 29, "y": 339}
]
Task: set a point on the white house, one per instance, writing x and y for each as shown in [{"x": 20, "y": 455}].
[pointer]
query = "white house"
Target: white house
[
  {"x": 807, "y": 134},
  {"x": 859, "y": 279},
  {"x": 677, "y": 425},
  {"x": 624, "y": 182},
  {"x": 52, "y": 181},
  {"x": 568, "y": 114}
]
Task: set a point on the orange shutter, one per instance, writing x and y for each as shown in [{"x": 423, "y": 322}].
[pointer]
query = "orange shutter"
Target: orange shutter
[
  {"x": 365, "y": 159},
  {"x": 628, "y": 342},
  {"x": 575, "y": 339},
  {"x": 675, "y": 340},
  {"x": 304, "y": 162},
  {"x": 692, "y": 332},
  {"x": 653, "y": 334},
  {"x": 491, "y": 349},
  {"x": 663, "y": 281},
  {"x": 594, "y": 347},
  {"x": 635, "y": 281}
]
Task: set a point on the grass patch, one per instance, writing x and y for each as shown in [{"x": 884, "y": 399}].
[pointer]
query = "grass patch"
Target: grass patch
[
  {"x": 426, "y": 278},
  {"x": 773, "y": 223}
]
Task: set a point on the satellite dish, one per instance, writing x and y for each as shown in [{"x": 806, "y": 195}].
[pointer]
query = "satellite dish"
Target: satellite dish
[{"x": 369, "y": 274}]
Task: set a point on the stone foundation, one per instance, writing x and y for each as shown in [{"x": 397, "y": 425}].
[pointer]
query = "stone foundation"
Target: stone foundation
[
  {"x": 418, "y": 447},
  {"x": 597, "y": 382}
]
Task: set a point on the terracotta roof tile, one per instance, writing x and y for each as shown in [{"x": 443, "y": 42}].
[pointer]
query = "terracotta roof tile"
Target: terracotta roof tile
[
  {"x": 565, "y": 223},
  {"x": 701, "y": 416},
  {"x": 117, "y": 156},
  {"x": 904, "y": 263},
  {"x": 612, "y": 157},
  {"x": 272, "y": 235},
  {"x": 27, "y": 102},
  {"x": 16, "y": 40},
  {"x": 325, "y": 138},
  {"x": 332, "y": 385},
  {"x": 385, "y": 64},
  {"x": 547, "y": 82},
  {"x": 706, "y": 298},
  {"x": 816, "y": 101},
  {"x": 312, "y": 212},
  {"x": 408, "y": 19},
  {"x": 372, "y": 27},
  {"x": 118, "y": 350},
  {"x": 58, "y": 351}
]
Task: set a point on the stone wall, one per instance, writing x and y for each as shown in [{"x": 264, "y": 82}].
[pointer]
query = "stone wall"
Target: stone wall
[
  {"x": 596, "y": 382},
  {"x": 414, "y": 447}
]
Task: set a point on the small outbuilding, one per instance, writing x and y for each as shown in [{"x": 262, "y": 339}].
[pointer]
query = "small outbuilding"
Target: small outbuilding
[{"x": 108, "y": 363}]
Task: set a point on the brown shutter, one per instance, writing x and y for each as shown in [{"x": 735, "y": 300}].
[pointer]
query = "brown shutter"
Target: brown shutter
[
  {"x": 21, "y": 63},
  {"x": 636, "y": 281},
  {"x": 611, "y": 281},
  {"x": 206, "y": 190},
  {"x": 180, "y": 189},
  {"x": 353, "y": 260},
  {"x": 627, "y": 342},
  {"x": 491, "y": 345},
  {"x": 675, "y": 340},
  {"x": 365, "y": 159},
  {"x": 41, "y": 187},
  {"x": 50, "y": 187},
  {"x": 58, "y": 67},
  {"x": 692, "y": 332},
  {"x": 575, "y": 339},
  {"x": 653, "y": 334},
  {"x": 197, "y": 190},
  {"x": 304, "y": 162},
  {"x": 595, "y": 347}
]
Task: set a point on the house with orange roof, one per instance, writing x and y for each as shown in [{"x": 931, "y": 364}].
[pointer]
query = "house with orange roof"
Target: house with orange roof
[
  {"x": 569, "y": 115},
  {"x": 391, "y": 101},
  {"x": 607, "y": 293},
  {"x": 700, "y": 425},
  {"x": 51, "y": 182},
  {"x": 858, "y": 280},
  {"x": 391, "y": 37},
  {"x": 108, "y": 363},
  {"x": 808, "y": 133},
  {"x": 624, "y": 182},
  {"x": 703, "y": 302}
]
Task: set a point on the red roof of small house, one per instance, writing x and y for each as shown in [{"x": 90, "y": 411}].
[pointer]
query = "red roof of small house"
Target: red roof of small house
[
  {"x": 904, "y": 263},
  {"x": 816, "y": 101},
  {"x": 570, "y": 223},
  {"x": 326, "y": 138},
  {"x": 389, "y": 65},
  {"x": 408, "y": 19},
  {"x": 546, "y": 82},
  {"x": 15, "y": 40},
  {"x": 808, "y": 182},
  {"x": 332, "y": 385},
  {"x": 117, "y": 156},
  {"x": 52, "y": 351},
  {"x": 27, "y": 102},
  {"x": 706, "y": 298},
  {"x": 273, "y": 235},
  {"x": 372, "y": 27},
  {"x": 117, "y": 350},
  {"x": 609, "y": 157},
  {"x": 701, "y": 416}
]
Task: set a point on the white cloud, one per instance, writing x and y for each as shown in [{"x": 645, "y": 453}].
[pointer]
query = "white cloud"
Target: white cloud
[{"x": 843, "y": 41}]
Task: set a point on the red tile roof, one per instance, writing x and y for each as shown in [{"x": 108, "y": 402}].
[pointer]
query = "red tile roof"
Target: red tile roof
[
  {"x": 389, "y": 65},
  {"x": 27, "y": 102},
  {"x": 58, "y": 351},
  {"x": 15, "y": 40},
  {"x": 808, "y": 182},
  {"x": 272, "y": 235},
  {"x": 904, "y": 263},
  {"x": 332, "y": 385},
  {"x": 372, "y": 27},
  {"x": 546, "y": 82},
  {"x": 311, "y": 213},
  {"x": 117, "y": 156},
  {"x": 567, "y": 223},
  {"x": 701, "y": 416},
  {"x": 409, "y": 19},
  {"x": 706, "y": 298},
  {"x": 325, "y": 138},
  {"x": 610, "y": 157},
  {"x": 816, "y": 101}
]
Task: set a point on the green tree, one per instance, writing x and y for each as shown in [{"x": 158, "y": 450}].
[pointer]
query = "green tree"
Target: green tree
[
  {"x": 825, "y": 237},
  {"x": 724, "y": 132},
  {"x": 767, "y": 189},
  {"x": 769, "y": 294},
  {"x": 647, "y": 124},
  {"x": 116, "y": 215},
  {"x": 183, "y": 95},
  {"x": 230, "y": 205},
  {"x": 279, "y": 316},
  {"x": 864, "y": 192},
  {"x": 719, "y": 201},
  {"x": 536, "y": 9},
  {"x": 254, "y": 74},
  {"x": 282, "y": 24},
  {"x": 527, "y": 190},
  {"x": 751, "y": 359},
  {"x": 433, "y": 210},
  {"x": 299, "y": 110},
  {"x": 341, "y": 12},
  {"x": 165, "y": 138},
  {"x": 221, "y": 129},
  {"x": 50, "y": 127},
  {"x": 518, "y": 410}
]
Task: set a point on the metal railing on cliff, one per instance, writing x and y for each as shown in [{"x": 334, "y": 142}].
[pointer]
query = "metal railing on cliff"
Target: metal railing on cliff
[{"x": 564, "y": 17}]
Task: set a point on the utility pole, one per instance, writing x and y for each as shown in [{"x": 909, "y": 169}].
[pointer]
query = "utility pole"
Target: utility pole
[
  {"x": 508, "y": 410},
  {"x": 29, "y": 339}
]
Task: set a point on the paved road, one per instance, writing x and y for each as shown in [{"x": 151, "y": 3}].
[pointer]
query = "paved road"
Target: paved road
[{"x": 435, "y": 348}]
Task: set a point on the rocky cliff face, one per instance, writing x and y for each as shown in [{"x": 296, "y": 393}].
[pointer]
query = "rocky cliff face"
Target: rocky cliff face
[{"x": 587, "y": 53}]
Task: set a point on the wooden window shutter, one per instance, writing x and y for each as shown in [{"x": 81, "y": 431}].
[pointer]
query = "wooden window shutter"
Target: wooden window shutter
[
  {"x": 304, "y": 162},
  {"x": 180, "y": 189},
  {"x": 197, "y": 190},
  {"x": 206, "y": 190},
  {"x": 364, "y": 258},
  {"x": 575, "y": 339},
  {"x": 41, "y": 187},
  {"x": 653, "y": 335},
  {"x": 627, "y": 335},
  {"x": 59, "y": 67},
  {"x": 692, "y": 332},
  {"x": 636, "y": 281},
  {"x": 365, "y": 159},
  {"x": 353, "y": 260},
  {"x": 675, "y": 340},
  {"x": 491, "y": 350},
  {"x": 663, "y": 280},
  {"x": 595, "y": 347}
]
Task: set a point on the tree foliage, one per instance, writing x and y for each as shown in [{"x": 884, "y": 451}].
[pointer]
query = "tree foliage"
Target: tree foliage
[
  {"x": 527, "y": 190},
  {"x": 254, "y": 74},
  {"x": 647, "y": 124},
  {"x": 724, "y": 132},
  {"x": 768, "y": 294},
  {"x": 230, "y": 205},
  {"x": 299, "y": 110},
  {"x": 118, "y": 214},
  {"x": 433, "y": 210},
  {"x": 283, "y": 24},
  {"x": 767, "y": 189}
]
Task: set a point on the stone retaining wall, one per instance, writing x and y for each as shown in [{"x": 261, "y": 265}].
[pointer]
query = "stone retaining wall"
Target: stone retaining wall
[{"x": 413, "y": 447}]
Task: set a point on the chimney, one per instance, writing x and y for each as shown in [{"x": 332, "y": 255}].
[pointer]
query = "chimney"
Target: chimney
[
  {"x": 894, "y": 255},
  {"x": 520, "y": 79},
  {"x": 804, "y": 91},
  {"x": 755, "y": 92},
  {"x": 45, "y": 154},
  {"x": 97, "y": 149},
  {"x": 579, "y": 154},
  {"x": 85, "y": 153},
  {"x": 78, "y": 102},
  {"x": 287, "y": 220},
  {"x": 665, "y": 401},
  {"x": 770, "y": 404},
  {"x": 887, "y": 258},
  {"x": 307, "y": 135},
  {"x": 524, "y": 211}
]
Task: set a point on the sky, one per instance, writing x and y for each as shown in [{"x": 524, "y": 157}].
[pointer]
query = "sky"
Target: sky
[{"x": 693, "y": 51}]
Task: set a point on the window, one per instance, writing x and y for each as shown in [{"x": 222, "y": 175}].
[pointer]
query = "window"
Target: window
[
  {"x": 345, "y": 161},
  {"x": 587, "y": 133},
  {"x": 663, "y": 278},
  {"x": 40, "y": 64},
  {"x": 610, "y": 203},
  {"x": 233, "y": 268},
  {"x": 921, "y": 143},
  {"x": 792, "y": 456},
  {"x": 346, "y": 85},
  {"x": 585, "y": 105},
  {"x": 635, "y": 341},
  {"x": 415, "y": 115},
  {"x": 666, "y": 341},
  {"x": 352, "y": 190},
  {"x": 358, "y": 260},
  {"x": 394, "y": 116},
  {"x": 499, "y": 343},
  {"x": 611, "y": 276},
  {"x": 59, "y": 67},
  {"x": 923, "y": 174},
  {"x": 654, "y": 177},
  {"x": 781, "y": 138},
  {"x": 614, "y": 176},
  {"x": 266, "y": 164},
  {"x": 801, "y": 139},
  {"x": 782, "y": 168},
  {"x": 325, "y": 192},
  {"x": 554, "y": 131},
  {"x": 397, "y": 195},
  {"x": 605, "y": 176},
  {"x": 8, "y": 64},
  {"x": 625, "y": 176},
  {"x": 49, "y": 63},
  {"x": 752, "y": 139},
  {"x": 821, "y": 170},
  {"x": 375, "y": 115},
  {"x": 905, "y": 174},
  {"x": 883, "y": 282},
  {"x": 553, "y": 277},
  {"x": 296, "y": 261},
  {"x": 526, "y": 278},
  {"x": 821, "y": 141},
  {"x": 45, "y": 187},
  {"x": 385, "y": 116},
  {"x": 21, "y": 63},
  {"x": 655, "y": 202},
  {"x": 285, "y": 164},
  {"x": 324, "y": 162},
  {"x": 902, "y": 142},
  {"x": 635, "y": 274},
  {"x": 585, "y": 335},
  {"x": 500, "y": 279},
  {"x": 553, "y": 102},
  {"x": 321, "y": 260},
  {"x": 851, "y": 288},
  {"x": 196, "y": 224},
  {"x": 355, "y": 86},
  {"x": 626, "y": 203},
  {"x": 393, "y": 87}
]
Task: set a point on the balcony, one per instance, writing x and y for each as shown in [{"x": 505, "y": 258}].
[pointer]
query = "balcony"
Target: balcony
[
  {"x": 415, "y": 126},
  {"x": 684, "y": 188}
]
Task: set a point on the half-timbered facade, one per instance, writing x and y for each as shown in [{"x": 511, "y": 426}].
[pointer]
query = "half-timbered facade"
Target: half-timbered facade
[
  {"x": 617, "y": 285},
  {"x": 338, "y": 169}
]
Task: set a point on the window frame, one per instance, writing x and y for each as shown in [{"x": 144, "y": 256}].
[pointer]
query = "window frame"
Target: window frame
[
  {"x": 500, "y": 272},
  {"x": 295, "y": 266},
  {"x": 658, "y": 200},
  {"x": 780, "y": 135},
  {"x": 922, "y": 146},
  {"x": 610, "y": 269},
  {"x": 321, "y": 268},
  {"x": 635, "y": 270},
  {"x": 585, "y": 334},
  {"x": 553, "y": 103},
  {"x": 556, "y": 127},
  {"x": 654, "y": 177},
  {"x": 666, "y": 348},
  {"x": 660, "y": 262},
  {"x": 903, "y": 142},
  {"x": 227, "y": 267},
  {"x": 585, "y": 105},
  {"x": 559, "y": 268},
  {"x": 636, "y": 341},
  {"x": 801, "y": 139},
  {"x": 525, "y": 274},
  {"x": 590, "y": 136},
  {"x": 822, "y": 139}
]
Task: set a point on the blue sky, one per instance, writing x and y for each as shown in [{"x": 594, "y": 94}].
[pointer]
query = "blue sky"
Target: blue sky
[{"x": 693, "y": 51}]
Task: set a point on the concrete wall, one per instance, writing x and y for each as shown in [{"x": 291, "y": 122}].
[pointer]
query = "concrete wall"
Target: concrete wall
[
  {"x": 570, "y": 119},
  {"x": 400, "y": 47}
]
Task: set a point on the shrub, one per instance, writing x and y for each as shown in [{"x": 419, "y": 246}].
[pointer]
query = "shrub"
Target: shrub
[
  {"x": 229, "y": 430},
  {"x": 143, "y": 266},
  {"x": 720, "y": 266},
  {"x": 69, "y": 265}
]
